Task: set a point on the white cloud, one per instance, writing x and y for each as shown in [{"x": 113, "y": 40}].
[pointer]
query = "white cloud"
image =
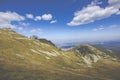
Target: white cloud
[
  {"x": 7, "y": 25},
  {"x": 118, "y": 13},
  {"x": 94, "y": 12},
  {"x": 96, "y": 2},
  {"x": 47, "y": 16},
  {"x": 37, "y": 18},
  {"x": 114, "y": 26},
  {"x": 30, "y": 16},
  {"x": 95, "y": 29},
  {"x": 105, "y": 27},
  {"x": 24, "y": 24},
  {"x": 53, "y": 21},
  {"x": 101, "y": 28},
  {"x": 33, "y": 30},
  {"x": 6, "y": 19},
  {"x": 98, "y": 29},
  {"x": 36, "y": 31},
  {"x": 114, "y": 3},
  {"x": 20, "y": 28}
]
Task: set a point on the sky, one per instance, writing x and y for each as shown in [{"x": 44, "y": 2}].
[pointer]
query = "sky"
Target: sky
[{"x": 63, "y": 20}]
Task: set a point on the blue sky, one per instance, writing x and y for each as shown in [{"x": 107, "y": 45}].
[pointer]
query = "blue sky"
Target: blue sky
[{"x": 63, "y": 20}]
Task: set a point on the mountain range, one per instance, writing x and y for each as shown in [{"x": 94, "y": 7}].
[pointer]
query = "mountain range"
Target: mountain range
[{"x": 23, "y": 58}]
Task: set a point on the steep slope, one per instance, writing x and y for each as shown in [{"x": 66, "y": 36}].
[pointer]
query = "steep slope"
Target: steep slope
[{"x": 23, "y": 58}]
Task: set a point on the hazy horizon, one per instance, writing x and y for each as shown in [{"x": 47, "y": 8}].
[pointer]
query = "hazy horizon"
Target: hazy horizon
[{"x": 74, "y": 21}]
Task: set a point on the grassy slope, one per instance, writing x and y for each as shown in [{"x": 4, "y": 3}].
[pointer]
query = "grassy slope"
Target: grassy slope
[{"x": 18, "y": 62}]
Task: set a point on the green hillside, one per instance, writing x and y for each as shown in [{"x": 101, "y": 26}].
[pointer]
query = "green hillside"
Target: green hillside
[{"x": 23, "y": 58}]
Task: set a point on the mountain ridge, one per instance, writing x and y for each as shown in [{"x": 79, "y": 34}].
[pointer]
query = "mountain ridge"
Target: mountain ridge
[{"x": 21, "y": 54}]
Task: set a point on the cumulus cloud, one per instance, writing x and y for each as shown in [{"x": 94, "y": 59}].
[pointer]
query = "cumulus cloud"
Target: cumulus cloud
[
  {"x": 114, "y": 3},
  {"x": 53, "y": 21},
  {"x": 47, "y": 16},
  {"x": 6, "y": 19},
  {"x": 37, "y": 18},
  {"x": 94, "y": 12},
  {"x": 30, "y": 16}
]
